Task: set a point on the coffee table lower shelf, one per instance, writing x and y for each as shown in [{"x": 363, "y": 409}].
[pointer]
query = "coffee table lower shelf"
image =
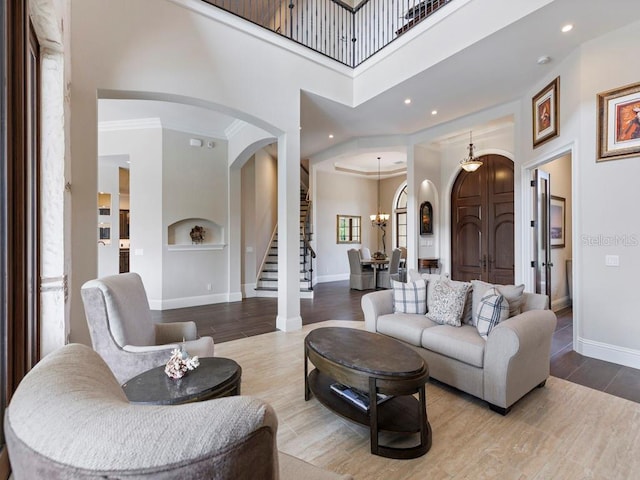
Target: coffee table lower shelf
[{"x": 398, "y": 415}]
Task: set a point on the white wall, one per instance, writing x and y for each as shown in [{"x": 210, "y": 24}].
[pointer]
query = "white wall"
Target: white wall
[
  {"x": 605, "y": 196},
  {"x": 194, "y": 186},
  {"x": 259, "y": 214},
  {"x": 177, "y": 53},
  {"x": 339, "y": 194}
]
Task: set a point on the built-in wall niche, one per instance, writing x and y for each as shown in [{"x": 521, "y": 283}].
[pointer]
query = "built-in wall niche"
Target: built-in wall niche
[{"x": 195, "y": 234}]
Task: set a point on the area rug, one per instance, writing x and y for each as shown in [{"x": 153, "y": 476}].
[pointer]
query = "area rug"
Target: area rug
[{"x": 562, "y": 431}]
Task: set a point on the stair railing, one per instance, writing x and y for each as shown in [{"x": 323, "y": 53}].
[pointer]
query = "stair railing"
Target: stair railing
[
  {"x": 307, "y": 249},
  {"x": 334, "y": 28}
]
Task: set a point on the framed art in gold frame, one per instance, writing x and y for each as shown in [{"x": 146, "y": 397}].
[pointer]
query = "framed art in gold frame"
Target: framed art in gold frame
[
  {"x": 546, "y": 113},
  {"x": 618, "y": 130}
]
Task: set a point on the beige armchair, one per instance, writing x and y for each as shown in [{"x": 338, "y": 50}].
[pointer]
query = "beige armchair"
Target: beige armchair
[
  {"x": 123, "y": 332},
  {"x": 69, "y": 419}
]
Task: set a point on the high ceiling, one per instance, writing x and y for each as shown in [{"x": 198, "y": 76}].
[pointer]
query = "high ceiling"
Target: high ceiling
[{"x": 501, "y": 68}]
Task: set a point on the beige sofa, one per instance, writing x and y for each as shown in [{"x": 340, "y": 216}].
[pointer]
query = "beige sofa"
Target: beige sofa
[
  {"x": 70, "y": 419},
  {"x": 512, "y": 361}
]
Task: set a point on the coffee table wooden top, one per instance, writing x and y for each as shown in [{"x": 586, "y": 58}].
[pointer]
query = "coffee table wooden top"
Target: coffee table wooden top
[{"x": 366, "y": 352}]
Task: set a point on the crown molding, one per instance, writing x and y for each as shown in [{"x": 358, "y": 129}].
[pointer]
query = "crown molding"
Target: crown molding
[{"x": 134, "y": 124}]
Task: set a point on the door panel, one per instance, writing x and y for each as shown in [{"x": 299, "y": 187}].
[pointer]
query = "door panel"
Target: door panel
[
  {"x": 542, "y": 261},
  {"x": 484, "y": 200}
]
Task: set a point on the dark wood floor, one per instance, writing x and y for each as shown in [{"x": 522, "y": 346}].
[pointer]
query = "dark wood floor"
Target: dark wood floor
[{"x": 335, "y": 301}]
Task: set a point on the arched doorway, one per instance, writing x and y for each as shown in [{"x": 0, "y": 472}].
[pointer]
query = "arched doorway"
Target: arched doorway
[{"x": 482, "y": 222}]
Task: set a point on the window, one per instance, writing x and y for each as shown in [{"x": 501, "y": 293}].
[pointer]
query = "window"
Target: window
[
  {"x": 401, "y": 219},
  {"x": 348, "y": 229}
]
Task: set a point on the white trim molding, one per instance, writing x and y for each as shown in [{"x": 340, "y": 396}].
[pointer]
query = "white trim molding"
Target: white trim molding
[
  {"x": 609, "y": 353},
  {"x": 331, "y": 278},
  {"x": 197, "y": 301}
]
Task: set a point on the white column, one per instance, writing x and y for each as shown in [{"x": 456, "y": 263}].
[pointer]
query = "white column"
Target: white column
[
  {"x": 289, "y": 318},
  {"x": 412, "y": 211},
  {"x": 235, "y": 234}
]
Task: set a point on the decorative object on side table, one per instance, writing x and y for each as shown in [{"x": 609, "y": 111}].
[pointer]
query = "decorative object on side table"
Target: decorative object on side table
[
  {"x": 180, "y": 363},
  {"x": 197, "y": 234},
  {"x": 619, "y": 123}
]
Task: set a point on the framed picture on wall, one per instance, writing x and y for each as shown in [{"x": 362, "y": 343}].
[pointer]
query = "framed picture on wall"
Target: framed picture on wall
[
  {"x": 618, "y": 130},
  {"x": 426, "y": 218},
  {"x": 546, "y": 112},
  {"x": 557, "y": 221}
]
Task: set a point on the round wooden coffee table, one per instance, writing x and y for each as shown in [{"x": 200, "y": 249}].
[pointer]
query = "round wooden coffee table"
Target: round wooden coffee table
[
  {"x": 215, "y": 377},
  {"x": 371, "y": 363}
]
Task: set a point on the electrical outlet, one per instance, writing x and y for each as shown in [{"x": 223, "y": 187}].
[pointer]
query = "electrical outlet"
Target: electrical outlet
[{"x": 209, "y": 287}]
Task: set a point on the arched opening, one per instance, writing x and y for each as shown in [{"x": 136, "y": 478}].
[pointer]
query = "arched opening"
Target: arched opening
[{"x": 482, "y": 222}]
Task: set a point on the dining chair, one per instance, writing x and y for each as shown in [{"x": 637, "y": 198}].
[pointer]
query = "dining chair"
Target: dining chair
[
  {"x": 359, "y": 278},
  {"x": 391, "y": 273}
]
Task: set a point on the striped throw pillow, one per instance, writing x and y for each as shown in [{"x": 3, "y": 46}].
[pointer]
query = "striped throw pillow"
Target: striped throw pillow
[
  {"x": 410, "y": 297},
  {"x": 492, "y": 310}
]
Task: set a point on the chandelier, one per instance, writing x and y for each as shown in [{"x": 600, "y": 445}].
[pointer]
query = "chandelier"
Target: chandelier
[
  {"x": 470, "y": 164},
  {"x": 379, "y": 219}
]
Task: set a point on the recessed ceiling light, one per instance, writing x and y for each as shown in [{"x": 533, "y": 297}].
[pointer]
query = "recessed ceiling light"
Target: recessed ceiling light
[
  {"x": 544, "y": 60},
  {"x": 331, "y": 135},
  {"x": 434, "y": 112},
  {"x": 567, "y": 28},
  {"x": 407, "y": 101}
]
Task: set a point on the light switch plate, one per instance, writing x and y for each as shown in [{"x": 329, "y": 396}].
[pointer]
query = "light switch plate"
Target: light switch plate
[{"x": 612, "y": 260}]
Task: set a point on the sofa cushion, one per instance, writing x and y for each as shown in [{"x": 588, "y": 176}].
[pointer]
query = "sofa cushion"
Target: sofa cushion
[
  {"x": 446, "y": 301},
  {"x": 513, "y": 294},
  {"x": 462, "y": 343},
  {"x": 430, "y": 278},
  {"x": 404, "y": 326},
  {"x": 410, "y": 297},
  {"x": 492, "y": 310}
]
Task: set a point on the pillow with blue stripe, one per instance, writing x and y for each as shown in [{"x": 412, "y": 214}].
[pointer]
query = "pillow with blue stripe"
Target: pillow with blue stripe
[
  {"x": 492, "y": 309},
  {"x": 410, "y": 297}
]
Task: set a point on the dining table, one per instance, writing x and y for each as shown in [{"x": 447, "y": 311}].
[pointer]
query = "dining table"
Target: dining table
[{"x": 376, "y": 264}]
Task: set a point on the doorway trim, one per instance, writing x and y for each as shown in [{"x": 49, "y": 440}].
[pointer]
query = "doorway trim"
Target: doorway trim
[{"x": 528, "y": 245}]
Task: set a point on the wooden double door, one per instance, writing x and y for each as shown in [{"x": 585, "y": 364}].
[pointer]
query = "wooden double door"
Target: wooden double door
[{"x": 482, "y": 217}]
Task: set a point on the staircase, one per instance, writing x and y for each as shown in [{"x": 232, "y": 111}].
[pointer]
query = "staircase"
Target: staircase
[{"x": 267, "y": 282}]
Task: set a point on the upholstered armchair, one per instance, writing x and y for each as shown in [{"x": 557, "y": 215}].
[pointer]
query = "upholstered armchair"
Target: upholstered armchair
[
  {"x": 123, "y": 332},
  {"x": 70, "y": 419},
  {"x": 391, "y": 273},
  {"x": 359, "y": 279}
]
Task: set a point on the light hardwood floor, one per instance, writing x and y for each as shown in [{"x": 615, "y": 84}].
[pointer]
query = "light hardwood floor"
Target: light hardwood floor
[{"x": 562, "y": 431}]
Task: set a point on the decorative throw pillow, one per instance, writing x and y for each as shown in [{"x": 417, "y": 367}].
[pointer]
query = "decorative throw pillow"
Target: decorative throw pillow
[
  {"x": 410, "y": 297},
  {"x": 446, "y": 300},
  {"x": 512, "y": 293},
  {"x": 493, "y": 309}
]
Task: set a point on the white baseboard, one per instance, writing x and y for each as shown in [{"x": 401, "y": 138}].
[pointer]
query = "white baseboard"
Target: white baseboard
[
  {"x": 288, "y": 324},
  {"x": 560, "y": 303},
  {"x": 609, "y": 353},
  {"x": 235, "y": 297},
  {"x": 249, "y": 290},
  {"x": 332, "y": 278},
  {"x": 183, "y": 302}
]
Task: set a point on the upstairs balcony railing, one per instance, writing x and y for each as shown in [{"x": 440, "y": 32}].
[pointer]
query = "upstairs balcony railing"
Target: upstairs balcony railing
[{"x": 349, "y": 35}]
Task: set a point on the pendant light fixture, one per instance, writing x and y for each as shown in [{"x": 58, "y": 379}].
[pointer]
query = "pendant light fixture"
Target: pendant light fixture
[
  {"x": 470, "y": 164},
  {"x": 380, "y": 219}
]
